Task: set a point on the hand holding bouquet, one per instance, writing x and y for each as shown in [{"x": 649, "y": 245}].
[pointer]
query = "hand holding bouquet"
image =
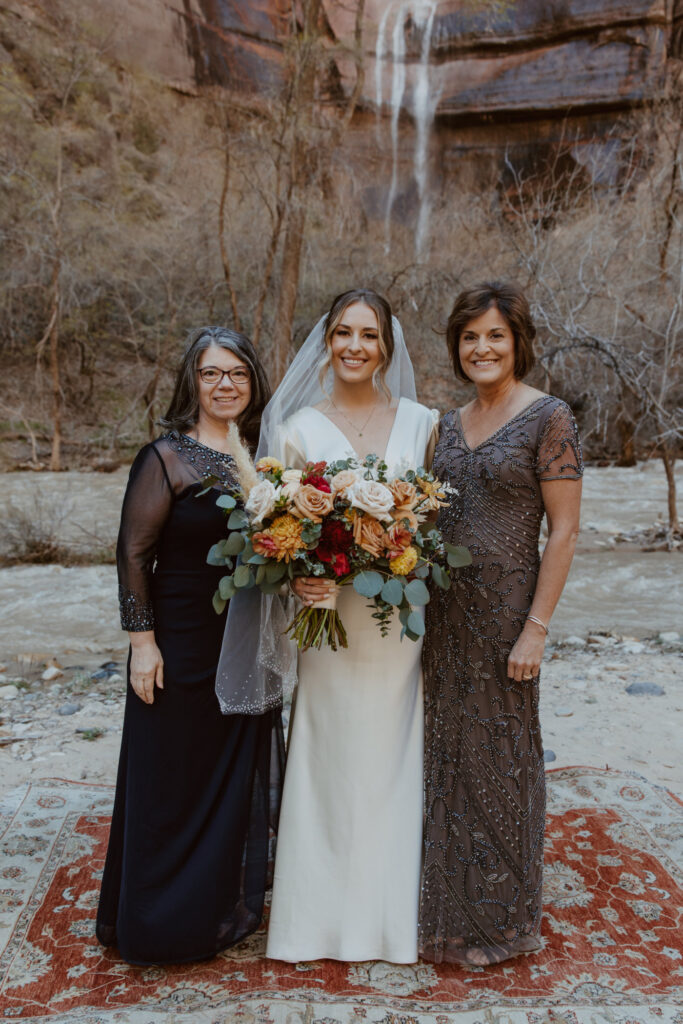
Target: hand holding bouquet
[{"x": 346, "y": 521}]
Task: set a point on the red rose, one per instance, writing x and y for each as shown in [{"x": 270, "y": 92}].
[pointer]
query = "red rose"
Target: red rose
[
  {"x": 313, "y": 474},
  {"x": 319, "y": 482},
  {"x": 335, "y": 536},
  {"x": 335, "y": 540},
  {"x": 324, "y": 554},
  {"x": 341, "y": 566}
]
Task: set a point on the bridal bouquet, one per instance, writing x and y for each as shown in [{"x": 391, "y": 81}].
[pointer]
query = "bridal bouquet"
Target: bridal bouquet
[{"x": 346, "y": 521}]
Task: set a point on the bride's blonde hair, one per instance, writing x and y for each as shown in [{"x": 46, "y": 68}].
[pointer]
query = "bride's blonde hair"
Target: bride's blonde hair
[{"x": 382, "y": 310}]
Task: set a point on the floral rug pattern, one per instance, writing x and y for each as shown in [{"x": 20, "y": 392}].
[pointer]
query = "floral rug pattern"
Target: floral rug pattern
[{"x": 613, "y": 888}]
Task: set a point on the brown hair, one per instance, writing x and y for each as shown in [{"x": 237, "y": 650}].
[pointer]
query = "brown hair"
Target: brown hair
[
  {"x": 382, "y": 310},
  {"x": 183, "y": 411},
  {"x": 511, "y": 302}
]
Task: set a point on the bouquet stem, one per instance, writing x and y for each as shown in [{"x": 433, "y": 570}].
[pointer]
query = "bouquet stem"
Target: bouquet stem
[{"x": 315, "y": 627}]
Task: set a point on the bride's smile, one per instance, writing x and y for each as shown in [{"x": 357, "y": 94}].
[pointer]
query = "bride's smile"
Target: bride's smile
[{"x": 356, "y": 350}]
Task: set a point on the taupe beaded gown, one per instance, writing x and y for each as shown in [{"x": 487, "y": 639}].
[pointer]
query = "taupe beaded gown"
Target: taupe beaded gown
[{"x": 484, "y": 777}]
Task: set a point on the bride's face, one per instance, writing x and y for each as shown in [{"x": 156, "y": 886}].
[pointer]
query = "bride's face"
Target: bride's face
[{"x": 356, "y": 351}]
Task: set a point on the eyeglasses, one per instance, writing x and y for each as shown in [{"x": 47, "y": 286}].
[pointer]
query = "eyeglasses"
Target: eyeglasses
[{"x": 212, "y": 375}]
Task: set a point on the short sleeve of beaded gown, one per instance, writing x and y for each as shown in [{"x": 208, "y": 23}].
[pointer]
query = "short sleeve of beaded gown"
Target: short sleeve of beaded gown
[
  {"x": 481, "y": 888},
  {"x": 558, "y": 452}
]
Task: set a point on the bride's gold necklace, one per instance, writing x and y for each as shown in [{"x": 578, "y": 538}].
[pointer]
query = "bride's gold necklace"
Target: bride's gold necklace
[{"x": 357, "y": 430}]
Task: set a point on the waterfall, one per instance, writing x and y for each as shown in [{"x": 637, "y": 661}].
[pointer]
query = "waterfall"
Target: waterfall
[
  {"x": 379, "y": 58},
  {"x": 423, "y": 109},
  {"x": 422, "y": 13},
  {"x": 398, "y": 84}
]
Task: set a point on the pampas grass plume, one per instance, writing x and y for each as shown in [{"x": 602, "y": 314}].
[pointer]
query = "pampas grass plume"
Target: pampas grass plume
[{"x": 246, "y": 473}]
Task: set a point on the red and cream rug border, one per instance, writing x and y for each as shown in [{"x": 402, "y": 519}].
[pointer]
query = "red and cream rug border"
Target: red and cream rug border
[{"x": 614, "y": 874}]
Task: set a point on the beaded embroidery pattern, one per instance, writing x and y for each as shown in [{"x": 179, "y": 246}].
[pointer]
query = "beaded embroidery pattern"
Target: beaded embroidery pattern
[
  {"x": 184, "y": 462},
  {"x": 484, "y": 775}
]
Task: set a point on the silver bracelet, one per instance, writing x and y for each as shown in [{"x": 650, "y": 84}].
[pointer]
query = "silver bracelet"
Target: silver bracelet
[{"x": 532, "y": 618}]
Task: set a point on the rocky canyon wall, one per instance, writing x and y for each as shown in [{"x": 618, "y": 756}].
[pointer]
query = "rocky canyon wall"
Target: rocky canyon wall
[
  {"x": 488, "y": 59},
  {"x": 452, "y": 88}
]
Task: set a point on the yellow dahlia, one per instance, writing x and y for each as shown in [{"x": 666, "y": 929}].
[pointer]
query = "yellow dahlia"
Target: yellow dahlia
[
  {"x": 286, "y": 532},
  {"x": 405, "y": 562},
  {"x": 268, "y": 464}
]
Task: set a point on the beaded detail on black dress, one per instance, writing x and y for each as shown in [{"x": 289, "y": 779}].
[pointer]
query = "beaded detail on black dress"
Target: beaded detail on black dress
[
  {"x": 165, "y": 477},
  {"x": 481, "y": 892},
  {"x": 197, "y": 794}
]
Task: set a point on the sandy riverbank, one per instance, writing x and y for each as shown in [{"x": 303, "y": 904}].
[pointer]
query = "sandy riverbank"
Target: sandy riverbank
[{"x": 70, "y": 726}]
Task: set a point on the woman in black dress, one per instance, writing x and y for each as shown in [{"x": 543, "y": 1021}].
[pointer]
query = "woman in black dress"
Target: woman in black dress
[
  {"x": 197, "y": 792},
  {"x": 513, "y": 455}
]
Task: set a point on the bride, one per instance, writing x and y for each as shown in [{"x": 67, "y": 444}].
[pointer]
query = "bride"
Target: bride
[{"x": 347, "y": 869}]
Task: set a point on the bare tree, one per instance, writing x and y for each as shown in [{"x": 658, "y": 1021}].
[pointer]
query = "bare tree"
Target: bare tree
[
  {"x": 602, "y": 255},
  {"x": 53, "y": 189}
]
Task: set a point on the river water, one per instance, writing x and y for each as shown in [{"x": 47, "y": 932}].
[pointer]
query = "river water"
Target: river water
[{"x": 55, "y": 610}]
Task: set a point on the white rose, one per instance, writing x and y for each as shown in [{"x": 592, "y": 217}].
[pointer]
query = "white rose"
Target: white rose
[
  {"x": 292, "y": 476},
  {"x": 372, "y": 497},
  {"x": 343, "y": 480},
  {"x": 261, "y": 501},
  {"x": 291, "y": 482}
]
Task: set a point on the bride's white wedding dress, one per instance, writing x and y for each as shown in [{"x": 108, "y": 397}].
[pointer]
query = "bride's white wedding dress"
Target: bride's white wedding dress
[{"x": 347, "y": 870}]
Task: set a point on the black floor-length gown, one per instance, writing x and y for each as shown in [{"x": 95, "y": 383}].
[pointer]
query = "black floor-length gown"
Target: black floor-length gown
[
  {"x": 484, "y": 775},
  {"x": 197, "y": 792}
]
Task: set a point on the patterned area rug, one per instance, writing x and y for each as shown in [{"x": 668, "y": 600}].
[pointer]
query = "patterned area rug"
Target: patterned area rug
[{"x": 612, "y": 929}]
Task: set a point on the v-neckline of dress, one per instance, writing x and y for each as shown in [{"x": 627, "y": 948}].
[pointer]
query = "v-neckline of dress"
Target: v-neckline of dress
[
  {"x": 348, "y": 442},
  {"x": 501, "y": 427}
]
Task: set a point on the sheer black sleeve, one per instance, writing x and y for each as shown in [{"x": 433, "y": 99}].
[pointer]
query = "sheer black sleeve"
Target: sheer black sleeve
[{"x": 146, "y": 507}]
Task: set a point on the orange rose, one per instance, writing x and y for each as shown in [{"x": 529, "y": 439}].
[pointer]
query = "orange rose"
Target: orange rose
[
  {"x": 310, "y": 503},
  {"x": 397, "y": 540},
  {"x": 405, "y": 494},
  {"x": 402, "y": 516},
  {"x": 369, "y": 534},
  {"x": 264, "y": 543}
]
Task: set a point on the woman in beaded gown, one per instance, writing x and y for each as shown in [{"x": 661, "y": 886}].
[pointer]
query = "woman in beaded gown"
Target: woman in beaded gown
[
  {"x": 187, "y": 864},
  {"x": 513, "y": 455}
]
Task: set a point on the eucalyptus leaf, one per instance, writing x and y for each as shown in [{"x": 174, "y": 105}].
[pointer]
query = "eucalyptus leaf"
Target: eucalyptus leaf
[
  {"x": 458, "y": 557},
  {"x": 256, "y": 559},
  {"x": 233, "y": 543},
  {"x": 275, "y": 571},
  {"x": 368, "y": 584},
  {"x": 404, "y": 614},
  {"x": 421, "y": 571},
  {"x": 238, "y": 520},
  {"x": 207, "y": 485},
  {"x": 441, "y": 577},
  {"x": 260, "y": 575},
  {"x": 270, "y": 588},
  {"x": 415, "y": 624},
  {"x": 392, "y": 592},
  {"x": 215, "y": 555},
  {"x": 417, "y": 593},
  {"x": 226, "y": 588},
  {"x": 218, "y": 603},
  {"x": 226, "y": 501},
  {"x": 243, "y": 576}
]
